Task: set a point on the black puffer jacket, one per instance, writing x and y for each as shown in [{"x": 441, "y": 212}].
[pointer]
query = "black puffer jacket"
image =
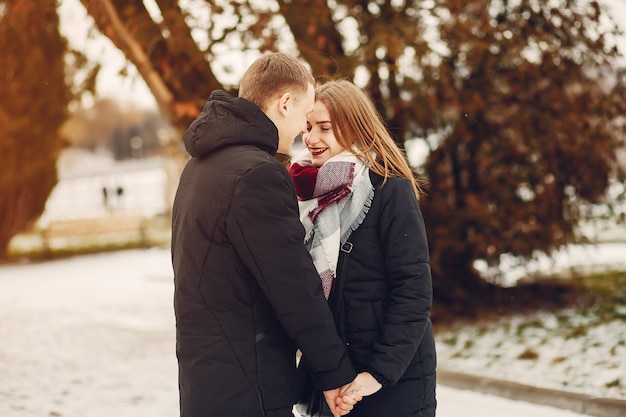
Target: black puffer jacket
[
  {"x": 384, "y": 314},
  {"x": 246, "y": 291}
]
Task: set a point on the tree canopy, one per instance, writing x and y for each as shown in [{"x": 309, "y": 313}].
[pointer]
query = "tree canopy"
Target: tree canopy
[
  {"x": 532, "y": 109},
  {"x": 520, "y": 103}
]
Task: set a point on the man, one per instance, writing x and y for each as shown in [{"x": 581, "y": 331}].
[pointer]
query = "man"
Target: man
[{"x": 246, "y": 291}]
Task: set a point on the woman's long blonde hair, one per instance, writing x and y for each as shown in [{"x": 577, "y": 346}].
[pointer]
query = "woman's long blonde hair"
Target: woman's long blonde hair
[{"x": 358, "y": 126}]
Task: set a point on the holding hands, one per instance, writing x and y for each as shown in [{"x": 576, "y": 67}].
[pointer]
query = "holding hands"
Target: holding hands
[{"x": 342, "y": 400}]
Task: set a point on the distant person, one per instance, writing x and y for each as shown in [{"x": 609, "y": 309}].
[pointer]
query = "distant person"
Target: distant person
[
  {"x": 365, "y": 231},
  {"x": 246, "y": 293},
  {"x": 105, "y": 197},
  {"x": 119, "y": 192}
]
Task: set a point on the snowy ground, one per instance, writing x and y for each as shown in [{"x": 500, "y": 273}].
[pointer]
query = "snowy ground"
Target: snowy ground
[
  {"x": 563, "y": 351},
  {"x": 581, "y": 352},
  {"x": 93, "y": 336}
]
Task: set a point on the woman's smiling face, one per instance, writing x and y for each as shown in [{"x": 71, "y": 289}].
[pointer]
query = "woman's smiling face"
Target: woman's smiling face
[{"x": 319, "y": 137}]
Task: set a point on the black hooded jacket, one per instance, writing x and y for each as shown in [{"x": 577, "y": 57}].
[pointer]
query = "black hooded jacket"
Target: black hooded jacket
[{"x": 246, "y": 292}]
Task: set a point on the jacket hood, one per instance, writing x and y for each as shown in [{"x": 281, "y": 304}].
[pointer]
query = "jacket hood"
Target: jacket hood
[{"x": 227, "y": 121}]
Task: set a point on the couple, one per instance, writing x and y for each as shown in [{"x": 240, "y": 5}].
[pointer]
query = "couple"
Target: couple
[{"x": 329, "y": 257}]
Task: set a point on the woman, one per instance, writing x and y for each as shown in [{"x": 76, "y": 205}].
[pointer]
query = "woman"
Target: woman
[{"x": 358, "y": 202}]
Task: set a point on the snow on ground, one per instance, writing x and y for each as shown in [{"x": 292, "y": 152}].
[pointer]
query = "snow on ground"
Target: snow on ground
[
  {"x": 573, "y": 351},
  {"x": 88, "y": 337},
  {"x": 560, "y": 351},
  {"x": 458, "y": 403},
  {"x": 93, "y": 336}
]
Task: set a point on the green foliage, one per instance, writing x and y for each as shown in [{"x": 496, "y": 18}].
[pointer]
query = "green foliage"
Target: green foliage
[
  {"x": 33, "y": 105},
  {"x": 601, "y": 294}
]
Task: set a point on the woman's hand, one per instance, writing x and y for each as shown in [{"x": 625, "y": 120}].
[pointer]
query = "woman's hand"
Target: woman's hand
[
  {"x": 342, "y": 400},
  {"x": 363, "y": 385}
]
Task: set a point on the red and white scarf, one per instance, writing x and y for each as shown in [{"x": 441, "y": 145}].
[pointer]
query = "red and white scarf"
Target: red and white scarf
[{"x": 333, "y": 202}]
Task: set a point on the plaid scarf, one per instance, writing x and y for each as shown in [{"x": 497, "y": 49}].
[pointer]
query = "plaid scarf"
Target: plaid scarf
[{"x": 333, "y": 202}]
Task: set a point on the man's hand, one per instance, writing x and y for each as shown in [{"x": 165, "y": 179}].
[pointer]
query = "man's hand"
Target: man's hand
[
  {"x": 339, "y": 406},
  {"x": 346, "y": 403},
  {"x": 331, "y": 399}
]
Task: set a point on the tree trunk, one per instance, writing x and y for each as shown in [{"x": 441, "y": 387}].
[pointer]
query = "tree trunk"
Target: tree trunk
[{"x": 33, "y": 105}]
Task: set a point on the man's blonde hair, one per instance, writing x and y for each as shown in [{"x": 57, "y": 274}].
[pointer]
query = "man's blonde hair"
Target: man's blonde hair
[{"x": 272, "y": 75}]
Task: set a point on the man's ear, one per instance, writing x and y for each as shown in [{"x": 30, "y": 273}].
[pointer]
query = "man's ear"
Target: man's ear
[{"x": 283, "y": 103}]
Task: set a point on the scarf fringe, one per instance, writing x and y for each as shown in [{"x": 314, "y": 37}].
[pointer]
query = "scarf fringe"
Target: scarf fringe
[{"x": 345, "y": 235}]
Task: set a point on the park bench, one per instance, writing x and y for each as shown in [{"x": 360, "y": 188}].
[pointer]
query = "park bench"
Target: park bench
[{"x": 112, "y": 229}]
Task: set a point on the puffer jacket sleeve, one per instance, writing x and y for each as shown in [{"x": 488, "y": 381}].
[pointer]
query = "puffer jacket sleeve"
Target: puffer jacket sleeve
[
  {"x": 264, "y": 226},
  {"x": 403, "y": 239}
]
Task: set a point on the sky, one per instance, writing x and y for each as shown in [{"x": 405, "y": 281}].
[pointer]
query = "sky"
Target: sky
[
  {"x": 132, "y": 91},
  {"x": 93, "y": 336},
  {"x": 129, "y": 91}
]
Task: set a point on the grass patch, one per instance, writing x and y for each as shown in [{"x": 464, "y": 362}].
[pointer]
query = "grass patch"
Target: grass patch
[
  {"x": 528, "y": 354},
  {"x": 613, "y": 384},
  {"x": 599, "y": 294}
]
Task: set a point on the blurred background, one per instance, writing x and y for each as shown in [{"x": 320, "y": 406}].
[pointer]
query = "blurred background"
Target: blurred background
[{"x": 513, "y": 111}]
